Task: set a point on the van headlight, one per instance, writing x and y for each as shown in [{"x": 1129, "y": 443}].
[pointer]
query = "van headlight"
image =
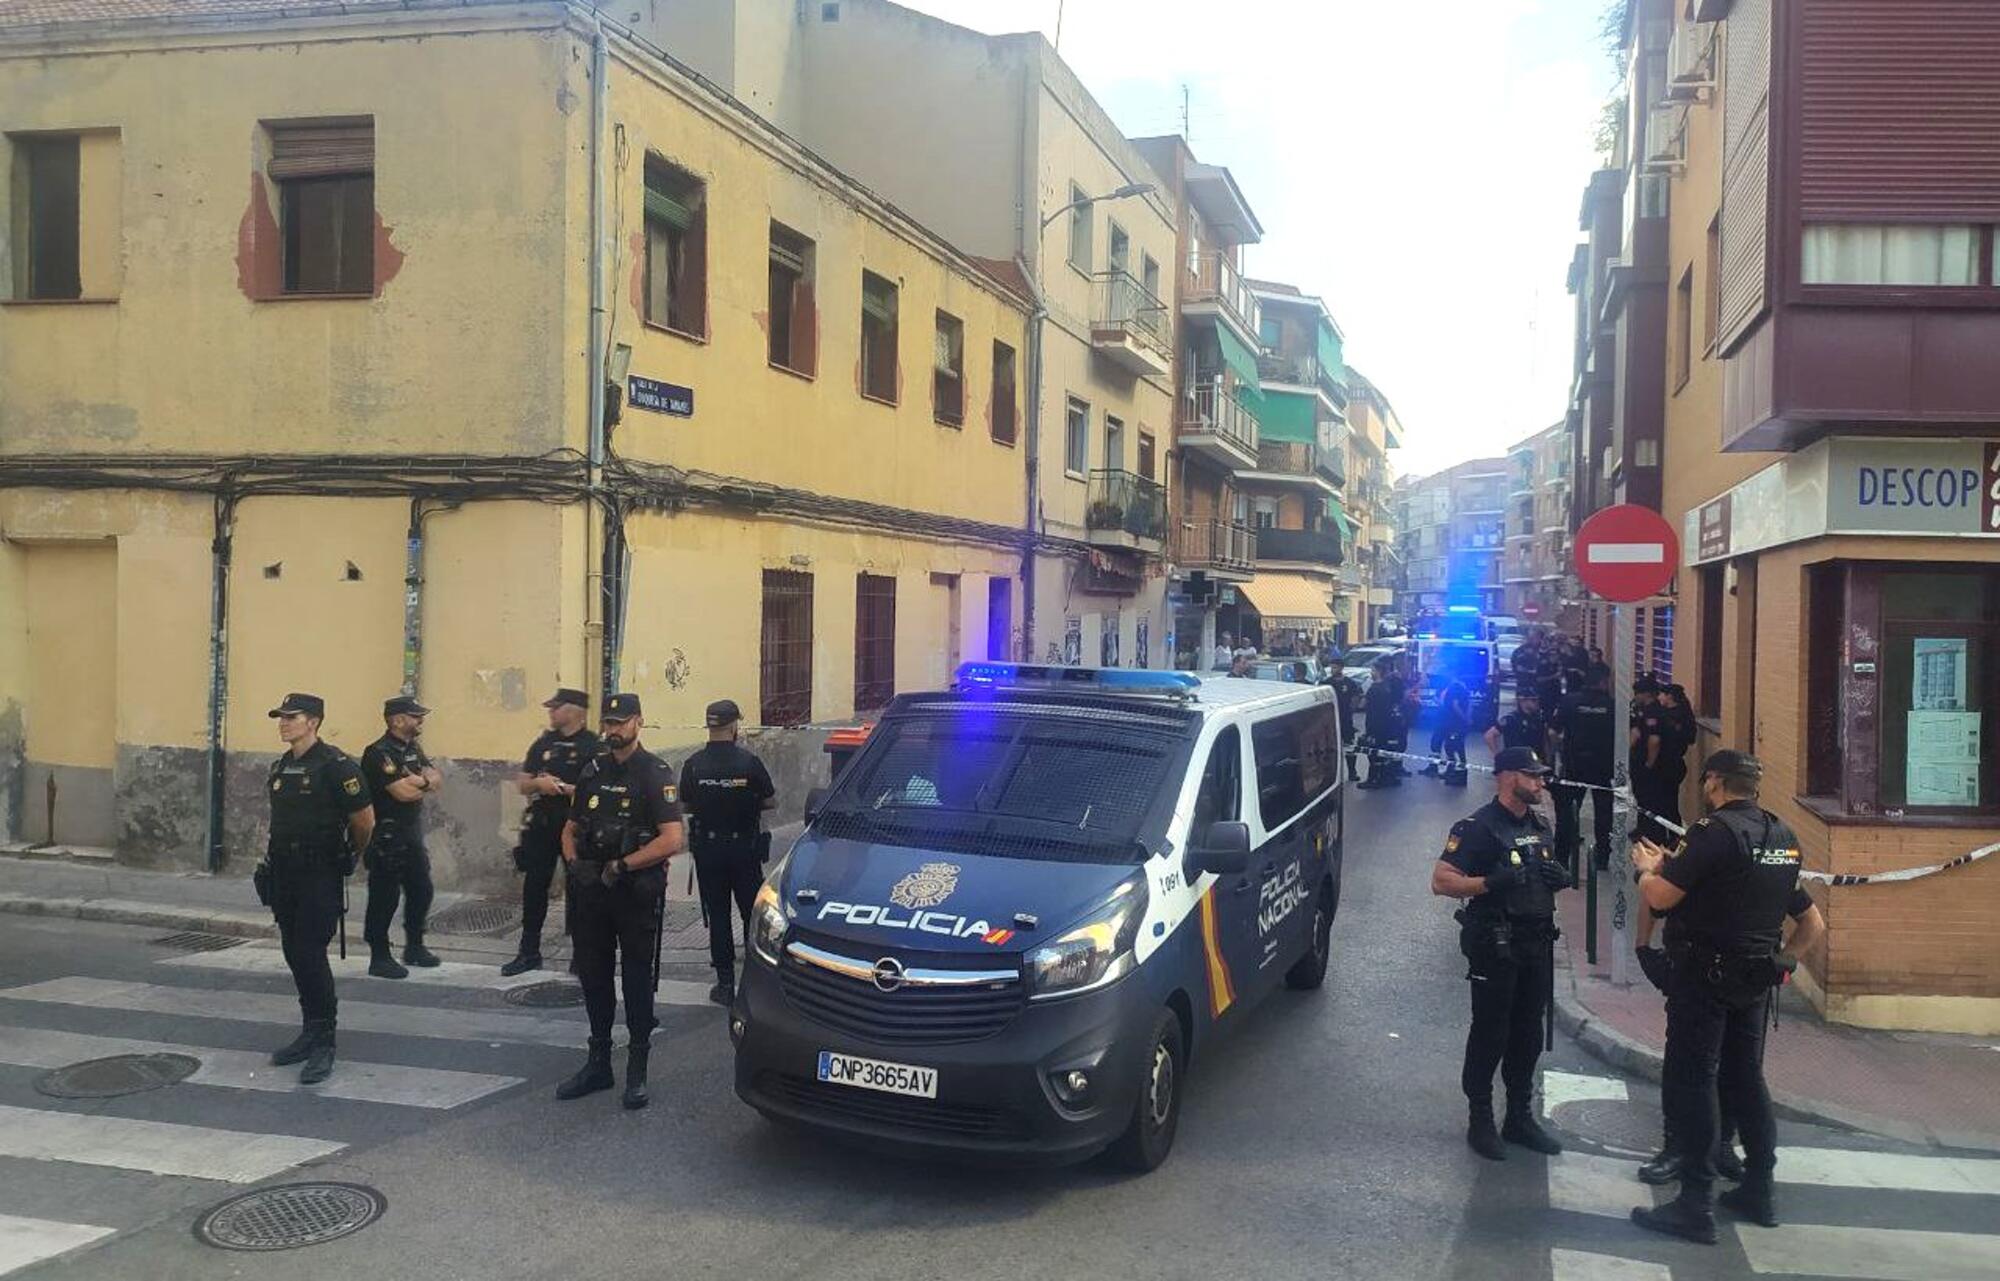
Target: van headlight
[
  {"x": 1093, "y": 954},
  {"x": 767, "y": 924}
]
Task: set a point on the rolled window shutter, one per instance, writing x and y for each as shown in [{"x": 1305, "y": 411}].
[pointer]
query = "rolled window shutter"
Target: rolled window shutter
[
  {"x": 664, "y": 207},
  {"x": 788, "y": 258},
  {"x": 878, "y": 304},
  {"x": 322, "y": 151}
]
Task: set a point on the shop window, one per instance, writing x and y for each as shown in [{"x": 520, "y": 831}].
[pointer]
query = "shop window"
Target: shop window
[
  {"x": 793, "y": 322},
  {"x": 874, "y": 641},
  {"x": 878, "y": 338},
  {"x": 1663, "y": 642},
  {"x": 676, "y": 249},
  {"x": 1005, "y": 395},
  {"x": 1708, "y": 691},
  {"x": 1940, "y": 693},
  {"x": 325, "y": 174},
  {"x": 785, "y": 648},
  {"x": 1826, "y": 606},
  {"x": 948, "y": 371}
]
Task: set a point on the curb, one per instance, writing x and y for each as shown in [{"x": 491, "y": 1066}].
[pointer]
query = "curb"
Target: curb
[
  {"x": 132, "y": 912},
  {"x": 1609, "y": 1046}
]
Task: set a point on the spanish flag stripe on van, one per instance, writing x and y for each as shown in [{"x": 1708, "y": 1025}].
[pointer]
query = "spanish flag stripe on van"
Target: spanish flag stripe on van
[{"x": 1221, "y": 992}]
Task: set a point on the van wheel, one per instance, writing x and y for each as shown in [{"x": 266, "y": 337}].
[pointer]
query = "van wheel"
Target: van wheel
[
  {"x": 1157, "y": 1113},
  {"x": 1310, "y": 970}
]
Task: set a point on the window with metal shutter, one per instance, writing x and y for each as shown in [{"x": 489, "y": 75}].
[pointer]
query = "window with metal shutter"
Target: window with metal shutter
[{"x": 322, "y": 149}]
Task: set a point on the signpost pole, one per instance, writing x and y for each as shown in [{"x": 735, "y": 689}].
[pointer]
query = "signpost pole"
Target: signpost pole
[{"x": 1624, "y": 629}]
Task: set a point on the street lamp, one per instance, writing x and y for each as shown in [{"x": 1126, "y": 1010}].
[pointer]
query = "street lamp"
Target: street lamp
[{"x": 1128, "y": 190}]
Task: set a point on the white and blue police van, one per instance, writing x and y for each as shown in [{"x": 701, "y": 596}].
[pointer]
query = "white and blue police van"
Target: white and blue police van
[{"x": 1032, "y": 902}]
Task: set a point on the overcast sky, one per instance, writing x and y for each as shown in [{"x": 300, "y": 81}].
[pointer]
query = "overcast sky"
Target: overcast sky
[{"x": 1419, "y": 165}]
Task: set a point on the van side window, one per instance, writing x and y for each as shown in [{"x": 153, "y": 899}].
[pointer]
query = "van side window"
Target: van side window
[
  {"x": 1298, "y": 758},
  {"x": 1220, "y": 796}
]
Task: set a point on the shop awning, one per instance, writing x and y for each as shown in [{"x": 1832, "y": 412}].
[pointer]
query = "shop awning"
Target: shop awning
[
  {"x": 1288, "y": 600},
  {"x": 1237, "y": 356}
]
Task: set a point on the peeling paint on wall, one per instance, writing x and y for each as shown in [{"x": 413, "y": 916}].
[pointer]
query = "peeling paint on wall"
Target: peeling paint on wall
[
  {"x": 257, "y": 244},
  {"x": 505, "y": 688}
]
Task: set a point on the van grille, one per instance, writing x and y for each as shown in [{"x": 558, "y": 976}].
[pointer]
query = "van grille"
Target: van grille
[
  {"x": 929, "y": 1116},
  {"x": 907, "y": 1016}
]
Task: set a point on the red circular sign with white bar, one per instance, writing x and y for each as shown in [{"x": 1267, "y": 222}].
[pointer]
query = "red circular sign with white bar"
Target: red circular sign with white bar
[{"x": 1626, "y": 553}]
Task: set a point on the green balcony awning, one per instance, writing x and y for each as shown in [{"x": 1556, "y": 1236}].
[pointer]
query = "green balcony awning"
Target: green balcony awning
[
  {"x": 1237, "y": 356},
  {"x": 1329, "y": 355},
  {"x": 1286, "y": 415}
]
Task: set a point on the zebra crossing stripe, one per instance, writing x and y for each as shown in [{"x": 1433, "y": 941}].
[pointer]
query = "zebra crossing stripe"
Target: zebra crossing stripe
[
  {"x": 269, "y": 960},
  {"x": 26, "y": 1241},
  {"x": 1879, "y": 1254},
  {"x": 1583, "y": 1183},
  {"x": 1582, "y": 1265},
  {"x": 156, "y": 1147},
  {"x": 1836, "y": 1168}
]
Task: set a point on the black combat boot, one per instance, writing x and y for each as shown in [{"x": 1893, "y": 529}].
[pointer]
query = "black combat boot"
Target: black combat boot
[
  {"x": 724, "y": 990},
  {"x": 1480, "y": 1135},
  {"x": 295, "y": 1052},
  {"x": 594, "y": 1075},
  {"x": 1728, "y": 1164},
  {"x": 1522, "y": 1128},
  {"x": 382, "y": 963},
  {"x": 1752, "y": 1200},
  {"x": 319, "y": 1059},
  {"x": 415, "y": 953},
  {"x": 1687, "y": 1216},
  {"x": 636, "y": 1055},
  {"x": 521, "y": 964},
  {"x": 1664, "y": 1168}
]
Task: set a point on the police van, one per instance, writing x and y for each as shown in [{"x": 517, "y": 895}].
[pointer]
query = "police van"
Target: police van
[{"x": 1031, "y": 903}]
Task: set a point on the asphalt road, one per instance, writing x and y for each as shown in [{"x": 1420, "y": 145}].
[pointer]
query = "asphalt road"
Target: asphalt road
[{"x": 1325, "y": 1141}]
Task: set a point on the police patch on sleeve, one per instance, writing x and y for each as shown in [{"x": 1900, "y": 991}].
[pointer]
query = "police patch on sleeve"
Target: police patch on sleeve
[
  {"x": 388, "y": 767},
  {"x": 1451, "y": 843},
  {"x": 670, "y": 793},
  {"x": 352, "y": 786}
]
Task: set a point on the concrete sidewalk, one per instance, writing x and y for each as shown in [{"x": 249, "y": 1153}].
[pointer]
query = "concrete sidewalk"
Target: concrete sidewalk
[{"x": 1915, "y": 1086}]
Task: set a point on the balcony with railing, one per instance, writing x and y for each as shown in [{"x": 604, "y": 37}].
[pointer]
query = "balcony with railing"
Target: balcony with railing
[
  {"x": 1299, "y": 546},
  {"x": 1125, "y": 509},
  {"x": 1129, "y": 325},
  {"x": 1213, "y": 423},
  {"x": 1316, "y": 465},
  {"x": 1211, "y": 286},
  {"x": 1303, "y": 371},
  {"x": 1219, "y": 548}
]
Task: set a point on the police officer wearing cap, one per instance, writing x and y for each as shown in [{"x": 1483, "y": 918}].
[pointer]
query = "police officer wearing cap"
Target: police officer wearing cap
[
  {"x": 1583, "y": 729},
  {"x": 548, "y": 778},
  {"x": 1499, "y": 861},
  {"x": 726, "y": 789},
  {"x": 625, "y": 822},
  {"x": 1726, "y": 893},
  {"x": 1649, "y": 736},
  {"x": 401, "y": 777},
  {"x": 1525, "y": 726},
  {"x": 320, "y": 813}
]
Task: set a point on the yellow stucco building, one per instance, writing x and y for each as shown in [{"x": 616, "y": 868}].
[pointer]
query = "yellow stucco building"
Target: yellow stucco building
[{"x": 466, "y": 348}]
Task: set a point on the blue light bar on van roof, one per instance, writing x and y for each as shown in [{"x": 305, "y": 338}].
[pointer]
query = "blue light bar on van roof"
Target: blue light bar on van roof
[
  {"x": 1461, "y": 609},
  {"x": 1107, "y": 680}
]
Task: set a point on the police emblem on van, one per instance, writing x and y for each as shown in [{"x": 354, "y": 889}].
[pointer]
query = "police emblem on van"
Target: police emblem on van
[{"x": 928, "y": 886}]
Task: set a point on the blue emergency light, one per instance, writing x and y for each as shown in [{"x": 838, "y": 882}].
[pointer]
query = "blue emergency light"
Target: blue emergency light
[
  {"x": 1461, "y": 609},
  {"x": 1107, "y": 680}
]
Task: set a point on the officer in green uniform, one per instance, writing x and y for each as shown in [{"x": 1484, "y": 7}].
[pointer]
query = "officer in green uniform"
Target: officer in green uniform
[
  {"x": 1499, "y": 861},
  {"x": 320, "y": 814},
  {"x": 401, "y": 777}
]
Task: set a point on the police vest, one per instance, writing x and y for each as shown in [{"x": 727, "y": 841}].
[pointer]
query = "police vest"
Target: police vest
[{"x": 1529, "y": 896}]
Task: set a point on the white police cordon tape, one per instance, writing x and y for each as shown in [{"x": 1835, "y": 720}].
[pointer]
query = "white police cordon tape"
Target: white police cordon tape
[{"x": 1625, "y": 800}]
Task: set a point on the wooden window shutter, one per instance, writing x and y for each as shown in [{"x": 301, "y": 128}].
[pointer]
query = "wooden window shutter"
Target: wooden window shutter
[{"x": 322, "y": 150}]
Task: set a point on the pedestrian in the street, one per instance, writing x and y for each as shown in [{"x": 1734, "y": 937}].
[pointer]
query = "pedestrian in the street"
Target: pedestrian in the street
[
  {"x": 1728, "y": 891},
  {"x": 1582, "y": 728},
  {"x": 625, "y": 822},
  {"x": 555, "y": 761},
  {"x": 320, "y": 815},
  {"x": 1498, "y": 860},
  {"x": 726, "y": 790},
  {"x": 401, "y": 777},
  {"x": 1648, "y": 735},
  {"x": 1225, "y": 653}
]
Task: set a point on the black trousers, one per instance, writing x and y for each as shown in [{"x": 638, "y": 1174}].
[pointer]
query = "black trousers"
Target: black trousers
[
  {"x": 541, "y": 854},
  {"x": 305, "y": 902},
  {"x": 1656, "y": 793},
  {"x": 1569, "y": 823},
  {"x": 1454, "y": 748},
  {"x": 615, "y": 931},
  {"x": 397, "y": 871},
  {"x": 1715, "y": 1063},
  {"x": 729, "y": 876},
  {"x": 1509, "y": 1001}
]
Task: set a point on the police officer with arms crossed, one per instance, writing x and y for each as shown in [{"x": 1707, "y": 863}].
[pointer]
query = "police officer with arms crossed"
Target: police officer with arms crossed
[
  {"x": 320, "y": 813},
  {"x": 401, "y": 776},
  {"x": 625, "y": 822},
  {"x": 548, "y": 779},
  {"x": 1499, "y": 861},
  {"x": 1727, "y": 892},
  {"x": 1525, "y": 726},
  {"x": 726, "y": 789}
]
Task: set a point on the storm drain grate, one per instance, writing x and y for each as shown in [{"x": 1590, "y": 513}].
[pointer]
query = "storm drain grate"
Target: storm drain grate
[
  {"x": 287, "y": 1217},
  {"x": 196, "y": 941},
  {"x": 477, "y": 917},
  {"x": 118, "y": 1075},
  {"x": 553, "y": 994},
  {"x": 1630, "y": 1126}
]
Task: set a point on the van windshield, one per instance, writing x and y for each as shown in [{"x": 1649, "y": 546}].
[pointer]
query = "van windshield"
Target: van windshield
[{"x": 988, "y": 783}]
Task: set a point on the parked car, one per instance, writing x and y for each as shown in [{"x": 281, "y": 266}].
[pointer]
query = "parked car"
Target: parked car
[{"x": 1358, "y": 664}]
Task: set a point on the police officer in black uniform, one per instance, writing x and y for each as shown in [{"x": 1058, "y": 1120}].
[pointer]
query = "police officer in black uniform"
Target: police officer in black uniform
[
  {"x": 1388, "y": 730},
  {"x": 726, "y": 790},
  {"x": 401, "y": 776},
  {"x": 1677, "y": 738},
  {"x": 320, "y": 814},
  {"x": 1728, "y": 891},
  {"x": 1647, "y": 758},
  {"x": 1500, "y": 862},
  {"x": 625, "y": 822},
  {"x": 548, "y": 779},
  {"x": 1525, "y": 726},
  {"x": 1348, "y": 691},
  {"x": 1583, "y": 729}
]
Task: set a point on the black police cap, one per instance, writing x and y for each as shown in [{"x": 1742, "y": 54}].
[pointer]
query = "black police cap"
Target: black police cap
[
  {"x": 301, "y": 705},
  {"x": 403, "y": 705},
  {"x": 1646, "y": 685},
  {"x": 1519, "y": 760},
  {"x": 723, "y": 713},
  {"x": 621, "y": 707},
  {"x": 567, "y": 697},
  {"x": 1731, "y": 765}
]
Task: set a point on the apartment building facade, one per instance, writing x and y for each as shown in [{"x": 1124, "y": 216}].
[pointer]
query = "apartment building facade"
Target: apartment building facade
[
  {"x": 1372, "y": 431},
  {"x": 1537, "y": 530}
]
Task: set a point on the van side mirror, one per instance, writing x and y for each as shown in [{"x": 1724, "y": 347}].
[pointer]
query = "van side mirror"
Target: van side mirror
[
  {"x": 1223, "y": 849},
  {"x": 815, "y": 802}
]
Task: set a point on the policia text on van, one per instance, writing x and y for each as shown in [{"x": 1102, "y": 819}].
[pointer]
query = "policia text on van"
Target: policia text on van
[{"x": 1031, "y": 902}]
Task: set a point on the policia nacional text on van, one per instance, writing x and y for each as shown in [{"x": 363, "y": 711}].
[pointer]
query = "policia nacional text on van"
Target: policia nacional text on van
[{"x": 1033, "y": 901}]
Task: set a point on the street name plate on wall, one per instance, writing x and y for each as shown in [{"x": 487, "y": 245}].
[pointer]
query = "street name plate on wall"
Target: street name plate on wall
[{"x": 660, "y": 398}]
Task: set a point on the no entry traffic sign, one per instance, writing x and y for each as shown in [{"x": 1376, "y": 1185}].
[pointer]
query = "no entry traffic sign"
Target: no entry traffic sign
[{"x": 1626, "y": 553}]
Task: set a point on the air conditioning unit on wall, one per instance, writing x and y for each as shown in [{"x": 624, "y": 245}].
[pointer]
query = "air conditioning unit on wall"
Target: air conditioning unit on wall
[{"x": 1691, "y": 62}]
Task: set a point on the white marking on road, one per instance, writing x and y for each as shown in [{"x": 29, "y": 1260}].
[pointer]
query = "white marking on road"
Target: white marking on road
[
  {"x": 159, "y": 1147},
  {"x": 1604, "y": 1186},
  {"x": 247, "y": 1070},
  {"x": 1833, "y": 1168},
  {"x": 1581, "y": 1265},
  {"x": 269, "y": 960},
  {"x": 1625, "y": 553},
  {"x": 1559, "y": 1088},
  {"x": 25, "y": 1241},
  {"x": 1882, "y": 1254}
]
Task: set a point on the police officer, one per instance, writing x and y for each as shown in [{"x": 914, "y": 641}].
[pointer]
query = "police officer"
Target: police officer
[
  {"x": 1348, "y": 691},
  {"x": 400, "y": 776},
  {"x": 1583, "y": 729},
  {"x": 1677, "y": 738},
  {"x": 625, "y": 822},
  {"x": 1387, "y": 730},
  {"x": 320, "y": 813},
  {"x": 1525, "y": 726},
  {"x": 548, "y": 778},
  {"x": 726, "y": 789},
  {"x": 1454, "y": 720},
  {"x": 1499, "y": 861},
  {"x": 1648, "y": 735},
  {"x": 1728, "y": 891}
]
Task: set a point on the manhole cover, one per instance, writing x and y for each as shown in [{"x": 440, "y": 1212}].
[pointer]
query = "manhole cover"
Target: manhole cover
[
  {"x": 550, "y": 995},
  {"x": 477, "y": 917},
  {"x": 284, "y": 1218},
  {"x": 1615, "y": 1123},
  {"x": 196, "y": 941},
  {"x": 117, "y": 1075}
]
